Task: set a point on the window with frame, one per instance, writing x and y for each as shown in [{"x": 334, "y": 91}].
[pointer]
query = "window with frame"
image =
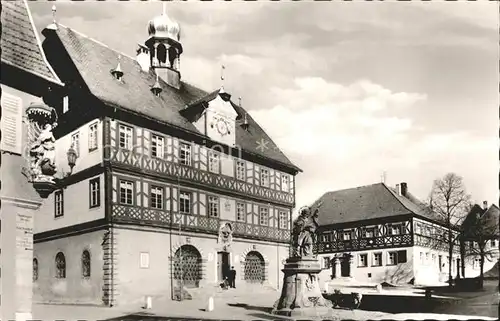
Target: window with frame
[
  {"x": 418, "y": 228},
  {"x": 185, "y": 202},
  {"x": 264, "y": 216},
  {"x": 157, "y": 146},
  {"x": 240, "y": 212},
  {"x": 377, "y": 259},
  {"x": 427, "y": 257},
  {"x": 126, "y": 192},
  {"x": 264, "y": 177},
  {"x": 347, "y": 235},
  {"x": 283, "y": 217},
  {"x": 285, "y": 183},
  {"x": 144, "y": 260},
  {"x": 395, "y": 229},
  {"x": 94, "y": 192},
  {"x": 213, "y": 162},
  {"x": 493, "y": 243},
  {"x": 213, "y": 206},
  {"x": 86, "y": 264},
  {"x": 240, "y": 171},
  {"x": 157, "y": 197},
  {"x": 398, "y": 257},
  {"x": 35, "y": 269},
  {"x": 75, "y": 142},
  {"x": 92, "y": 137},
  {"x": 125, "y": 137},
  {"x": 326, "y": 262},
  {"x": 59, "y": 203},
  {"x": 60, "y": 266},
  {"x": 421, "y": 257},
  {"x": 363, "y": 260},
  {"x": 369, "y": 232},
  {"x": 433, "y": 258},
  {"x": 185, "y": 154},
  {"x": 392, "y": 258}
]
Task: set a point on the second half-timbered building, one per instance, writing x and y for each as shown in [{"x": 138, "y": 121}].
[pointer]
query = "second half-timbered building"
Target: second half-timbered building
[
  {"x": 377, "y": 233},
  {"x": 172, "y": 186}
]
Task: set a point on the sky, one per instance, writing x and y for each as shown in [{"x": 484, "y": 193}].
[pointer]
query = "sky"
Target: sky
[{"x": 347, "y": 90}]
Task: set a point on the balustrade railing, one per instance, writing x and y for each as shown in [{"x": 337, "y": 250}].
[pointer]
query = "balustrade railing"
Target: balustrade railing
[{"x": 176, "y": 170}]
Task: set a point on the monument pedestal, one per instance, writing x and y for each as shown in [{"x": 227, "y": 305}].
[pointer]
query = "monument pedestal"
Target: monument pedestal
[{"x": 301, "y": 294}]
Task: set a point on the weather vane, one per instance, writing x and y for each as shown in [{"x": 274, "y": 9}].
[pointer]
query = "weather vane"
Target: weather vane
[{"x": 54, "y": 14}]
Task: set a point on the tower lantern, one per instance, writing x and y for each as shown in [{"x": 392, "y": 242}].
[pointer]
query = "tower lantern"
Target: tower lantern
[{"x": 165, "y": 48}]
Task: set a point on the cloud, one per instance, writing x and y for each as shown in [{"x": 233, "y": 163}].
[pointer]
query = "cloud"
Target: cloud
[{"x": 345, "y": 136}]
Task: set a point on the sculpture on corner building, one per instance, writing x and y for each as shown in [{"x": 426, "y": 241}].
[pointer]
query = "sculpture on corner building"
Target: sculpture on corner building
[{"x": 41, "y": 149}]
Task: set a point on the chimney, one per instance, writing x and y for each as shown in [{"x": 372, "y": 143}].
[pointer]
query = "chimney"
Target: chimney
[
  {"x": 143, "y": 58},
  {"x": 485, "y": 205},
  {"x": 404, "y": 189},
  {"x": 398, "y": 189},
  {"x": 171, "y": 76}
]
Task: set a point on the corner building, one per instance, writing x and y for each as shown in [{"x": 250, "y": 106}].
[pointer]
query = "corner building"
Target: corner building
[
  {"x": 172, "y": 185},
  {"x": 377, "y": 233}
]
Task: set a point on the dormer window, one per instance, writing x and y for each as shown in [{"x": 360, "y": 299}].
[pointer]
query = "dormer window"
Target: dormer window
[{"x": 117, "y": 72}]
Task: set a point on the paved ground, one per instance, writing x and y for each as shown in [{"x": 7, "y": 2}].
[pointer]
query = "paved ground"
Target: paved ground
[{"x": 244, "y": 304}]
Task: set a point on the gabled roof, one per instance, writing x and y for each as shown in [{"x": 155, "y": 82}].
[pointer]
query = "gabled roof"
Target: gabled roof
[
  {"x": 365, "y": 203},
  {"x": 489, "y": 219},
  {"x": 94, "y": 61},
  {"x": 20, "y": 43}
]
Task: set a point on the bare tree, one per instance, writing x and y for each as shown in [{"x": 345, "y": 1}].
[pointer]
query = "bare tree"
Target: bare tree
[
  {"x": 479, "y": 228},
  {"x": 450, "y": 202}
]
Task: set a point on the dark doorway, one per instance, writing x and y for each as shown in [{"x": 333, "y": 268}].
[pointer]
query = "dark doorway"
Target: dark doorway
[
  {"x": 458, "y": 267},
  {"x": 222, "y": 265},
  {"x": 440, "y": 262},
  {"x": 345, "y": 267}
]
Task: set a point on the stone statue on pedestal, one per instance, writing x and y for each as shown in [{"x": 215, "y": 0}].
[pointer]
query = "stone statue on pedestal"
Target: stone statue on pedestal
[
  {"x": 301, "y": 295},
  {"x": 304, "y": 232}
]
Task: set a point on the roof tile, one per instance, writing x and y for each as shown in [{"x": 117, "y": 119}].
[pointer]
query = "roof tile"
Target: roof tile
[
  {"x": 94, "y": 62},
  {"x": 19, "y": 42}
]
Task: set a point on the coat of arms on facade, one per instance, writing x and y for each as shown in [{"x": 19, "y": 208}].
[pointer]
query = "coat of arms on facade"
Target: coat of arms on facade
[{"x": 225, "y": 235}]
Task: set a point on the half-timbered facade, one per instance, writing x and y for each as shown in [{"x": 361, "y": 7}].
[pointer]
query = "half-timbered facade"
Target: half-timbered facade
[
  {"x": 377, "y": 233},
  {"x": 172, "y": 186}
]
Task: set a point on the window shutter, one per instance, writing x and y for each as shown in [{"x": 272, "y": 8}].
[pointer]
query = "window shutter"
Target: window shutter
[{"x": 11, "y": 123}]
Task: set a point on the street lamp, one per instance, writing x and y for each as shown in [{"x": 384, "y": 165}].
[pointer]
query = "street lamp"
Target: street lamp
[{"x": 72, "y": 156}]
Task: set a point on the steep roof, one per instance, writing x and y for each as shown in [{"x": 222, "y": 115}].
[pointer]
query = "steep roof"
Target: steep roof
[
  {"x": 489, "y": 220},
  {"x": 367, "y": 202},
  {"x": 20, "y": 43},
  {"x": 94, "y": 61}
]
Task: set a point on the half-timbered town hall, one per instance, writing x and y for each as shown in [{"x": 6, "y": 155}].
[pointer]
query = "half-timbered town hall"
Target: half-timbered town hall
[
  {"x": 172, "y": 186},
  {"x": 377, "y": 233}
]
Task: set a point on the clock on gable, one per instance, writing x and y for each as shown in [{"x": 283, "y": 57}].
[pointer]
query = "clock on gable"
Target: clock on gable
[{"x": 222, "y": 126}]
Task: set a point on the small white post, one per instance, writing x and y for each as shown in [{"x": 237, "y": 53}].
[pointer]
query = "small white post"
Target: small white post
[
  {"x": 149, "y": 302},
  {"x": 210, "y": 306}
]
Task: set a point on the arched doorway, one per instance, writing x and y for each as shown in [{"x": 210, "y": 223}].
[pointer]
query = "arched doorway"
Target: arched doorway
[
  {"x": 254, "y": 268},
  {"x": 187, "y": 266}
]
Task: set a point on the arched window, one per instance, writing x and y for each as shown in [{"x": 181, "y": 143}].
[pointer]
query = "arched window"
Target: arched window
[
  {"x": 35, "y": 269},
  {"x": 86, "y": 264},
  {"x": 60, "y": 266},
  {"x": 161, "y": 53}
]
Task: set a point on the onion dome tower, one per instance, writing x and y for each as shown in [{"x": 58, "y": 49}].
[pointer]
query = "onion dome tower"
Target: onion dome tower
[{"x": 165, "y": 48}]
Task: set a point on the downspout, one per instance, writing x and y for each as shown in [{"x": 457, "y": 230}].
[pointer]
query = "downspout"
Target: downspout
[{"x": 171, "y": 254}]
